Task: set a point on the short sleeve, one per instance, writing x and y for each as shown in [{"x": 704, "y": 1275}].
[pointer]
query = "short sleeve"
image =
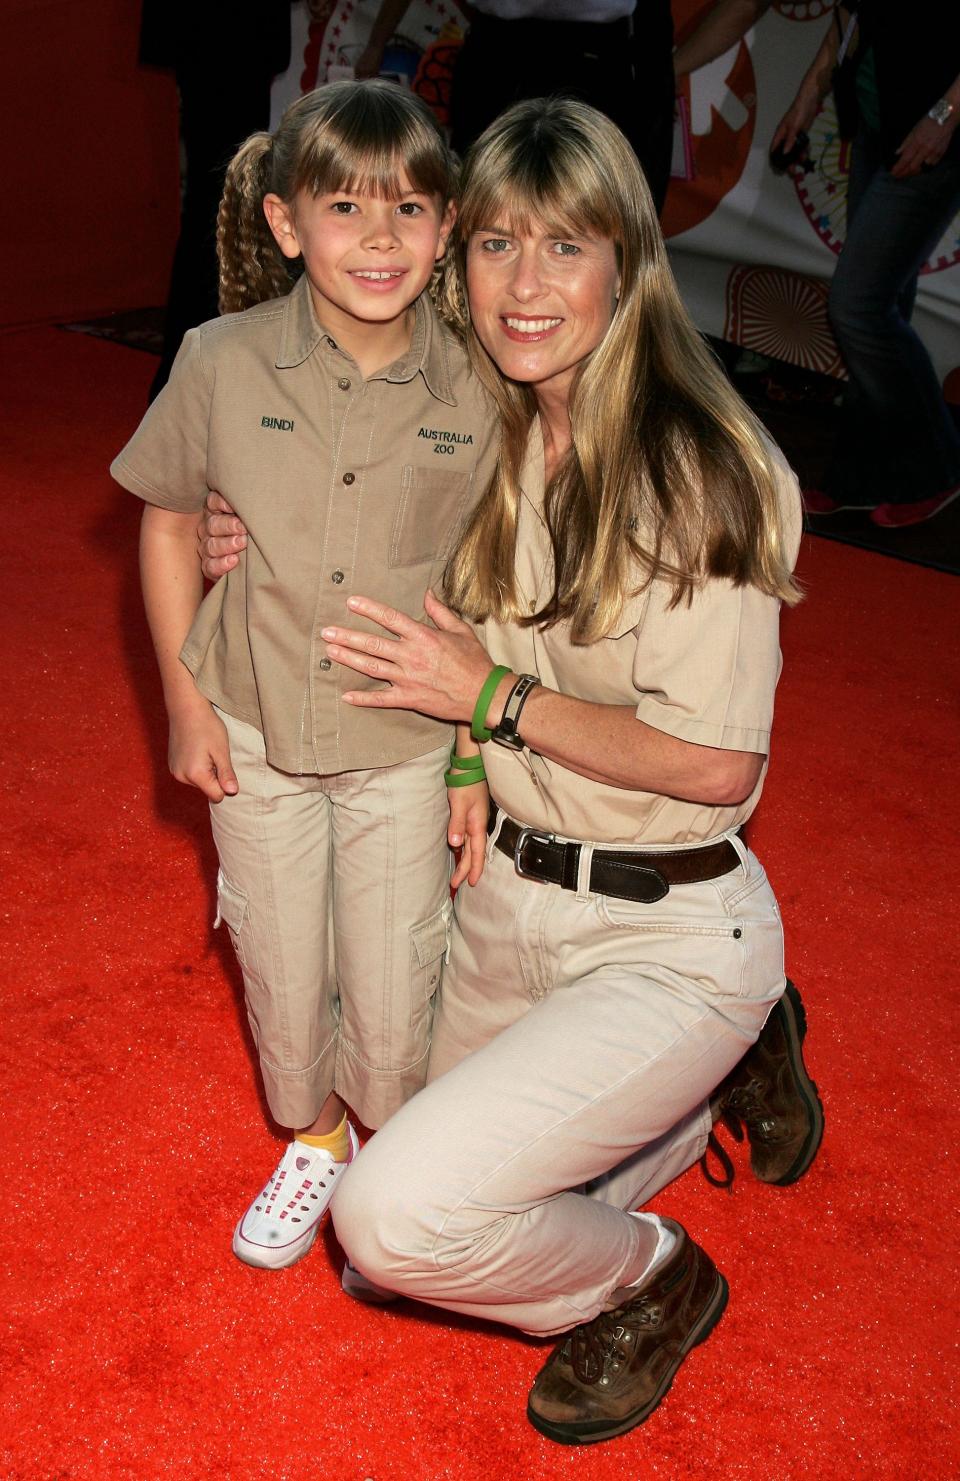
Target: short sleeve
[
  {"x": 165, "y": 461},
  {"x": 707, "y": 672}
]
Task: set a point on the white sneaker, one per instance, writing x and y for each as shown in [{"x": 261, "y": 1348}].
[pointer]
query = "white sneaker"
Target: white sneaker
[
  {"x": 358, "y": 1288},
  {"x": 281, "y": 1224}
]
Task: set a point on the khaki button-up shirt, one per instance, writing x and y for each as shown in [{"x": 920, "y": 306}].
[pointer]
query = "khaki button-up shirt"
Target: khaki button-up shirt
[
  {"x": 704, "y": 673},
  {"x": 345, "y": 485}
]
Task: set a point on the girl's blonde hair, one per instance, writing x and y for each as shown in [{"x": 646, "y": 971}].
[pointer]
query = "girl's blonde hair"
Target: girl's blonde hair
[
  {"x": 669, "y": 476},
  {"x": 352, "y": 136}
]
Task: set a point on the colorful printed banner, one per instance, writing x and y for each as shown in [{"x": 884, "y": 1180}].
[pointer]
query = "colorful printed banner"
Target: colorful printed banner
[{"x": 753, "y": 251}]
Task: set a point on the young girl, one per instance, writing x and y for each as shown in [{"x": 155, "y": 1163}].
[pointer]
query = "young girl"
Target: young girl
[{"x": 339, "y": 417}]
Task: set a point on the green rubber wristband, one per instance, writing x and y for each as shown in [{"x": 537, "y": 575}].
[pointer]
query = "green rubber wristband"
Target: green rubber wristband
[
  {"x": 465, "y": 763},
  {"x": 463, "y": 778},
  {"x": 478, "y": 728}
]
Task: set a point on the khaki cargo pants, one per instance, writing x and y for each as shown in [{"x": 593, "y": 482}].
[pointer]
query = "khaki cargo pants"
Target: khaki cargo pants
[
  {"x": 577, "y": 1043},
  {"x": 335, "y": 891}
]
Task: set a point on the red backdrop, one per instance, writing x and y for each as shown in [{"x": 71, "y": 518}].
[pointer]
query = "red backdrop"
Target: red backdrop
[{"x": 92, "y": 179}]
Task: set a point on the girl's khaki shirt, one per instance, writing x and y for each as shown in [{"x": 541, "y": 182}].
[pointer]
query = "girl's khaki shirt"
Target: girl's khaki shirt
[{"x": 345, "y": 485}]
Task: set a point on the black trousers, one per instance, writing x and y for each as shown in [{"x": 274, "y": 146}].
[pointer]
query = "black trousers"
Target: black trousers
[
  {"x": 623, "y": 68},
  {"x": 217, "y": 113}
]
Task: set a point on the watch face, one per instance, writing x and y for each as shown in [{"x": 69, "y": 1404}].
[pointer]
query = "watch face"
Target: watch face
[{"x": 941, "y": 111}]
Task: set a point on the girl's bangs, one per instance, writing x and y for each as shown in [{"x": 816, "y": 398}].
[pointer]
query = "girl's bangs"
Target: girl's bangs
[{"x": 337, "y": 160}]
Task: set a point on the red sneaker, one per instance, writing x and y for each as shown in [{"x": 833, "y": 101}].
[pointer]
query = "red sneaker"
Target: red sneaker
[
  {"x": 899, "y": 516},
  {"x": 815, "y": 501}
]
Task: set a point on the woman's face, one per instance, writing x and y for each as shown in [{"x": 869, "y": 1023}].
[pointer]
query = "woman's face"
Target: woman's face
[{"x": 540, "y": 303}]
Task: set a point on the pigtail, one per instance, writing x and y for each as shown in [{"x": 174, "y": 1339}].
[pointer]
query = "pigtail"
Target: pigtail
[
  {"x": 446, "y": 290},
  {"x": 252, "y": 267}
]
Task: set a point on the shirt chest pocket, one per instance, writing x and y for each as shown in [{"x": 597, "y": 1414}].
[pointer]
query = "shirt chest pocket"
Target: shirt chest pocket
[{"x": 433, "y": 502}]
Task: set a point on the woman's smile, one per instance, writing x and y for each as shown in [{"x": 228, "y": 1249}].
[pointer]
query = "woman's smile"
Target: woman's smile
[
  {"x": 525, "y": 331},
  {"x": 540, "y": 302}
]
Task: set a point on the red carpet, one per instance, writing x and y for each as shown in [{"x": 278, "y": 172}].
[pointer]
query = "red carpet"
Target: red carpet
[{"x": 136, "y": 1346}]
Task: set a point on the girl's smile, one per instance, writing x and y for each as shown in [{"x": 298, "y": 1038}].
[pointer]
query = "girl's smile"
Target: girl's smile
[{"x": 367, "y": 259}]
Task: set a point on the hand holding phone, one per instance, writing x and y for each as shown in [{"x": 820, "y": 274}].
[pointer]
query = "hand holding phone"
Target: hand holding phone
[{"x": 782, "y": 158}]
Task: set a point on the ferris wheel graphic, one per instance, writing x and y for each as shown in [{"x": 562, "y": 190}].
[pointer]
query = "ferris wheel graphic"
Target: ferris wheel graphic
[{"x": 820, "y": 178}]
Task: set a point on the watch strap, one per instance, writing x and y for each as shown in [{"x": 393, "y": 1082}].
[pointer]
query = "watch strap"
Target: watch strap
[{"x": 507, "y": 733}]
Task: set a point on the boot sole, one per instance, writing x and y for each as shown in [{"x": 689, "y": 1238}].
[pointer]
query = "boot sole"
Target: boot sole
[
  {"x": 795, "y": 1019},
  {"x": 592, "y": 1430}
]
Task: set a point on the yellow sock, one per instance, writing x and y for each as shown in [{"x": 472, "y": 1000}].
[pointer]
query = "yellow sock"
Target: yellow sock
[{"x": 336, "y": 1142}]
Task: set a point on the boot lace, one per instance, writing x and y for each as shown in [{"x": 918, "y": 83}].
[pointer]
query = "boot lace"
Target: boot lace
[
  {"x": 608, "y": 1340},
  {"x": 746, "y": 1103},
  {"x": 743, "y": 1106}
]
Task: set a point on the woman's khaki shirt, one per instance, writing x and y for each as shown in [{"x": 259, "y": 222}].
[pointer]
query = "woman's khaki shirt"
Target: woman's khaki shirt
[{"x": 704, "y": 673}]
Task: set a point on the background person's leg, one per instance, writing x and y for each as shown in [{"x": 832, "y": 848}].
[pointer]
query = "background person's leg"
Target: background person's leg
[
  {"x": 900, "y": 443},
  {"x": 214, "y": 121}
]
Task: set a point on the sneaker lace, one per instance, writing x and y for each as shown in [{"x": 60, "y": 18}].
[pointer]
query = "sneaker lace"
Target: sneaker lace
[{"x": 608, "y": 1339}]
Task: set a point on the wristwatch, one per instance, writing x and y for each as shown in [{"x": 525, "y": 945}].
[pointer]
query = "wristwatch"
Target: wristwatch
[
  {"x": 506, "y": 733},
  {"x": 941, "y": 111}
]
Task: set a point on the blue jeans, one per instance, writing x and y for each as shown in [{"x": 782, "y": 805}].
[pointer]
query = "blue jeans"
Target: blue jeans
[{"x": 899, "y": 442}]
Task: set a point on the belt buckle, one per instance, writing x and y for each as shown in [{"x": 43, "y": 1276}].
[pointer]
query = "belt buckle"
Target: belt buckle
[{"x": 522, "y": 837}]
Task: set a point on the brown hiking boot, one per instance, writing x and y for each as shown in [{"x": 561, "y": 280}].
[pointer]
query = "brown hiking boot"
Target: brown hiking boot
[
  {"x": 770, "y": 1094},
  {"x": 610, "y": 1374}
]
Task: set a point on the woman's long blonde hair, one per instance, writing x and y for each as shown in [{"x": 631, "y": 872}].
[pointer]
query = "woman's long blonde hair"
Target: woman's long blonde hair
[
  {"x": 353, "y": 136},
  {"x": 669, "y": 476}
]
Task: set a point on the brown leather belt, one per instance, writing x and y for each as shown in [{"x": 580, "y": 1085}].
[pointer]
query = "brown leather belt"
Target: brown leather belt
[{"x": 645, "y": 876}]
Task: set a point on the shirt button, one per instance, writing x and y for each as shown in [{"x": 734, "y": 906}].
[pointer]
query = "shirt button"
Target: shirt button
[
  {"x": 349, "y": 478},
  {"x": 337, "y": 577},
  {"x": 325, "y": 664},
  {"x": 343, "y": 383}
]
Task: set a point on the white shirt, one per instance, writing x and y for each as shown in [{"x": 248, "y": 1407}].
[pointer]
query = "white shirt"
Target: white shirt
[{"x": 595, "y": 11}]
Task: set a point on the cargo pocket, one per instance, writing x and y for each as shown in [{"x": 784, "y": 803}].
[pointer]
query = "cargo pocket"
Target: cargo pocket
[
  {"x": 428, "y": 945},
  {"x": 432, "y": 501},
  {"x": 232, "y": 910}
]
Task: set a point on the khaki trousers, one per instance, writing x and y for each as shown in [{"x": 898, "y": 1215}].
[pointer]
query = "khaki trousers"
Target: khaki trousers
[
  {"x": 335, "y": 891},
  {"x": 577, "y": 1042}
]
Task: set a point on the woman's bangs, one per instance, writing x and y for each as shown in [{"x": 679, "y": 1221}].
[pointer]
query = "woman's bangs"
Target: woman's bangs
[{"x": 535, "y": 193}]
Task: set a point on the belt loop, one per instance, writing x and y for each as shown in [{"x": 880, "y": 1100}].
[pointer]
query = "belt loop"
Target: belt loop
[
  {"x": 743, "y": 853},
  {"x": 493, "y": 834},
  {"x": 583, "y": 871}
]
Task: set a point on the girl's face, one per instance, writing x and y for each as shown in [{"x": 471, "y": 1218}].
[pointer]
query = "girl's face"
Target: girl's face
[
  {"x": 367, "y": 259},
  {"x": 540, "y": 303}
]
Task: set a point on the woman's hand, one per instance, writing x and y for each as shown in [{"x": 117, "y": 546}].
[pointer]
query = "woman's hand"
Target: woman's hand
[
  {"x": 221, "y": 535},
  {"x": 925, "y": 145},
  {"x": 469, "y": 812},
  {"x": 436, "y": 671}
]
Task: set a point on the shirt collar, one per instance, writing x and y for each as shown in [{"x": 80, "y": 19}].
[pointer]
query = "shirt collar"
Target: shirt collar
[{"x": 301, "y": 333}]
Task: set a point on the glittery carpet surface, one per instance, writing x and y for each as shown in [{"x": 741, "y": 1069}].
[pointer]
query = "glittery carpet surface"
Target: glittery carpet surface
[{"x": 137, "y": 1346}]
